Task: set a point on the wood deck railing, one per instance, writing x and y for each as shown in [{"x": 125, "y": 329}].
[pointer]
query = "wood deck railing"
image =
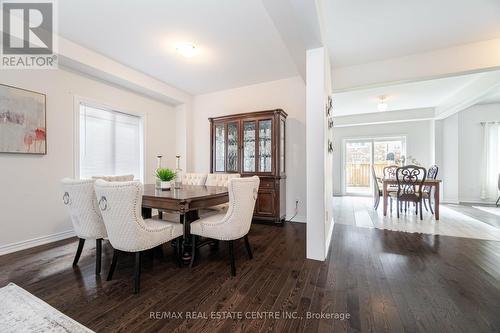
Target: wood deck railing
[{"x": 358, "y": 175}]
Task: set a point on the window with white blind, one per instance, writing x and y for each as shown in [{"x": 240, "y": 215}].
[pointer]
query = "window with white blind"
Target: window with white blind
[{"x": 110, "y": 142}]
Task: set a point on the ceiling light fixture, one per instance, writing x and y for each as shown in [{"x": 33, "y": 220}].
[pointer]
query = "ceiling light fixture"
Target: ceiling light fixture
[
  {"x": 187, "y": 50},
  {"x": 382, "y": 105}
]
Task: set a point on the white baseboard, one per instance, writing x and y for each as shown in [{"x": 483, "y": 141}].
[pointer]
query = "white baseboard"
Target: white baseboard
[
  {"x": 298, "y": 218},
  {"x": 477, "y": 202},
  {"x": 450, "y": 202},
  {"x": 26, "y": 244}
]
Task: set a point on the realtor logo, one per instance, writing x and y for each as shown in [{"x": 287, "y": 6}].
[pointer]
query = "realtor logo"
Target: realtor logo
[{"x": 28, "y": 35}]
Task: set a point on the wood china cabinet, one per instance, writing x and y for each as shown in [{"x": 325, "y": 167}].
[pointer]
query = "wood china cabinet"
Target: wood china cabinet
[{"x": 253, "y": 144}]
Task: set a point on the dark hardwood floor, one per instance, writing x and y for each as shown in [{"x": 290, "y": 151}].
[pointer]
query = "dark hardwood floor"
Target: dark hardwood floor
[{"x": 386, "y": 281}]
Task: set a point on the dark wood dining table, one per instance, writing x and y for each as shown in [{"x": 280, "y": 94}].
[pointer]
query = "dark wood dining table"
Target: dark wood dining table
[
  {"x": 186, "y": 201},
  {"x": 434, "y": 184}
]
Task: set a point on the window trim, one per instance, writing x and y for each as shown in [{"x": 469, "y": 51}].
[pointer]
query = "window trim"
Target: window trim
[{"x": 77, "y": 101}]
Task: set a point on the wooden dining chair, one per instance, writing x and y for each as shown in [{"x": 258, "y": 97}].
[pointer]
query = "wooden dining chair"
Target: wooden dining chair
[
  {"x": 426, "y": 192},
  {"x": 390, "y": 171},
  {"x": 377, "y": 192},
  {"x": 410, "y": 180},
  {"x": 498, "y": 200}
]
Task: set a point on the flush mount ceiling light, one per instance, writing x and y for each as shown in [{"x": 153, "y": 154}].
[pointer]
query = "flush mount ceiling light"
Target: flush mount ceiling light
[
  {"x": 187, "y": 50},
  {"x": 382, "y": 104}
]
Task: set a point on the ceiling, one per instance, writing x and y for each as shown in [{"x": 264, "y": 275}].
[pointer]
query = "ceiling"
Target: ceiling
[
  {"x": 362, "y": 31},
  {"x": 239, "y": 44},
  {"x": 408, "y": 96},
  {"x": 246, "y": 42}
]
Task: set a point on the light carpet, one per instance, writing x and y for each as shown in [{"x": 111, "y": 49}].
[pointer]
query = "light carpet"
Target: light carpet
[
  {"x": 21, "y": 311},
  {"x": 491, "y": 210},
  {"x": 359, "y": 211}
]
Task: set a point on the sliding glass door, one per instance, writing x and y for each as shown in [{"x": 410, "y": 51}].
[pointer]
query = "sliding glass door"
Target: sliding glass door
[
  {"x": 361, "y": 154},
  {"x": 358, "y": 158}
]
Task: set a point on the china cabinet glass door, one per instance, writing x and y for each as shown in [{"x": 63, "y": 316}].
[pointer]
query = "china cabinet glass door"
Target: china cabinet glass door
[
  {"x": 249, "y": 146},
  {"x": 232, "y": 147},
  {"x": 265, "y": 145},
  {"x": 220, "y": 147}
]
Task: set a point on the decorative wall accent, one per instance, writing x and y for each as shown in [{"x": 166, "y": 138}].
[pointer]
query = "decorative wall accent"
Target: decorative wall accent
[
  {"x": 329, "y": 121},
  {"x": 22, "y": 121},
  {"x": 329, "y": 107}
]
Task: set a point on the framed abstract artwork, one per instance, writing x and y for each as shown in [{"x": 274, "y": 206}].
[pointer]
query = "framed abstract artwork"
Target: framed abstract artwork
[{"x": 22, "y": 121}]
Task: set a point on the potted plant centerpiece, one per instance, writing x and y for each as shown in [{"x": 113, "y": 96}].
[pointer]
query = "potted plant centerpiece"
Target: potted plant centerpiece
[{"x": 166, "y": 176}]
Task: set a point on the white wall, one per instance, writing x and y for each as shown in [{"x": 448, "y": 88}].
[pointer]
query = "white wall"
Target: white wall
[
  {"x": 287, "y": 94},
  {"x": 470, "y": 140},
  {"x": 418, "y": 141},
  {"x": 448, "y": 170},
  {"x": 30, "y": 197}
]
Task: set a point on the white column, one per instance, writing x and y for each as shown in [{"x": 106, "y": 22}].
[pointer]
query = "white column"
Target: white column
[{"x": 318, "y": 160}]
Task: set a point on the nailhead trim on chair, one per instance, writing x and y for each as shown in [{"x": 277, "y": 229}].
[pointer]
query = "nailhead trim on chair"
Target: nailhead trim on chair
[
  {"x": 205, "y": 226},
  {"x": 103, "y": 189}
]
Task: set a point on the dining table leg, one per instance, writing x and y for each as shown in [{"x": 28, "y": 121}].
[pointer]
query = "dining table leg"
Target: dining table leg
[
  {"x": 186, "y": 240},
  {"x": 146, "y": 212},
  {"x": 436, "y": 201},
  {"x": 384, "y": 186}
]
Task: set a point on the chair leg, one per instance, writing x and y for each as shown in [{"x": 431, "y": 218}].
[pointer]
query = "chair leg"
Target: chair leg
[
  {"x": 159, "y": 251},
  {"x": 230, "y": 246},
  {"x": 425, "y": 205},
  {"x": 215, "y": 245},
  {"x": 398, "y": 206},
  {"x": 416, "y": 207},
  {"x": 193, "y": 252},
  {"x": 113, "y": 265},
  {"x": 377, "y": 202},
  {"x": 178, "y": 253},
  {"x": 421, "y": 213},
  {"x": 430, "y": 206},
  {"x": 249, "y": 249},
  {"x": 79, "y": 250},
  {"x": 496, "y": 204},
  {"x": 137, "y": 272},
  {"x": 390, "y": 201},
  {"x": 98, "y": 253}
]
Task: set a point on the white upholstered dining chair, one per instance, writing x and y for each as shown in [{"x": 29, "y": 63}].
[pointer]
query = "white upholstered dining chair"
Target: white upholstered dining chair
[
  {"x": 120, "y": 204},
  {"x": 80, "y": 200},
  {"x": 220, "y": 179},
  {"x": 235, "y": 223},
  {"x": 194, "y": 178},
  {"x": 119, "y": 178}
]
